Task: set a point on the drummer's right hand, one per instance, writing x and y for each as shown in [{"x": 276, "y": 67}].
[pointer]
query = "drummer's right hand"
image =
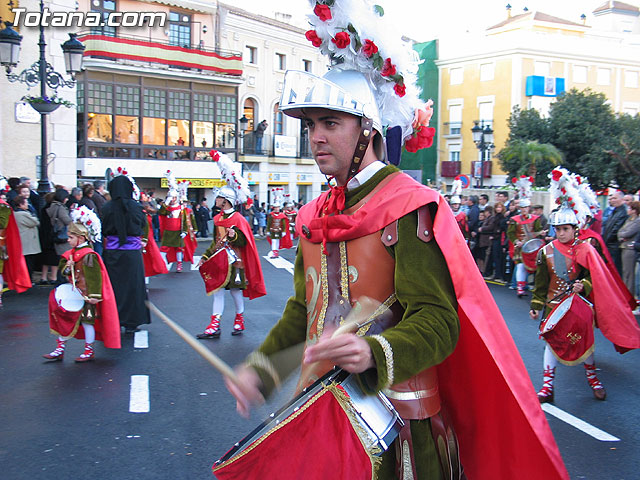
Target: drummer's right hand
[
  {"x": 518, "y": 243},
  {"x": 533, "y": 314},
  {"x": 246, "y": 391}
]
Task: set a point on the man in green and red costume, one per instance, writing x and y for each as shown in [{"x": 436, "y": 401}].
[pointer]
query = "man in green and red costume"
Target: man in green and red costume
[
  {"x": 241, "y": 274},
  {"x": 382, "y": 235},
  {"x": 13, "y": 268}
]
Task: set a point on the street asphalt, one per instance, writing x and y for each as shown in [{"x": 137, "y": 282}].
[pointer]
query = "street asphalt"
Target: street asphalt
[{"x": 68, "y": 421}]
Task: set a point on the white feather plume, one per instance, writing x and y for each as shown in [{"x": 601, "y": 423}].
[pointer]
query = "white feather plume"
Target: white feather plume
[
  {"x": 524, "y": 184},
  {"x": 173, "y": 184},
  {"x": 364, "y": 17},
  {"x": 232, "y": 173},
  {"x": 456, "y": 187},
  {"x": 89, "y": 219},
  {"x": 564, "y": 188}
]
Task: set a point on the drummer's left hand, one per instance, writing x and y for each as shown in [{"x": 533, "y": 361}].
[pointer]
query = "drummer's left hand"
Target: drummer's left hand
[
  {"x": 93, "y": 301},
  {"x": 347, "y": 351},
  {"x": 246, "y": 391},
  {"x": 578, "y": 287}
]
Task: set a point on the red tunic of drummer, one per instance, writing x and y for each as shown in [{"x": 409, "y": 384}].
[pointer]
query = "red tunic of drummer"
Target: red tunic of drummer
[{"x": 107, "y": 323}]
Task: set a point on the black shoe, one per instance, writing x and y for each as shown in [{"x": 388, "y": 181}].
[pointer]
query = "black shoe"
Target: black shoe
[
  {"x": 128, "y": 330},
  {"x": 205, "y": 336}
]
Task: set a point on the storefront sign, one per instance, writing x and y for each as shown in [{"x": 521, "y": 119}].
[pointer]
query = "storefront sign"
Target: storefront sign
[
  {"x": 285, "y": 146},
  {"x": 197, "y": 182}
]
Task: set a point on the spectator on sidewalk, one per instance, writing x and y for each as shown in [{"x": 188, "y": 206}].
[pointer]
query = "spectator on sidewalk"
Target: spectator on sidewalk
[{"x": 28, "y": 224}]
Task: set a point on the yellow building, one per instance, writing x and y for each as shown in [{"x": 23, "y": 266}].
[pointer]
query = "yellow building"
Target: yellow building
[{"x": 528, "y": 60}]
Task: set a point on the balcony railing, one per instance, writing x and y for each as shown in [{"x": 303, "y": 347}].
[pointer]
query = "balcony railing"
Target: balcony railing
[
  {"x": 454, "y": 129},
  {"x": 135, "y": 50},
  {"x": 254, "y": 145}
]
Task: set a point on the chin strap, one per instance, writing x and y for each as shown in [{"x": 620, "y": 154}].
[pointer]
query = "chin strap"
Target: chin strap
[{"x": 361, "y": 147}]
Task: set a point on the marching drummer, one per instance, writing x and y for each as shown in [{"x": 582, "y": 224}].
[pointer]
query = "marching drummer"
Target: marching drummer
[
  {"x": 523, "y": 228},
  {"x": 278, "y": 224},
  {"x": 378, "y": 234},
  {"x": 97, "y": 319},
  {"x": 570, "y": 266},
  {"x": 233, "y": 234}
]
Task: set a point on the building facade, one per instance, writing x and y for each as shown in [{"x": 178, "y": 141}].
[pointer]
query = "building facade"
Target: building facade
[{"x": 527, "y": 61}]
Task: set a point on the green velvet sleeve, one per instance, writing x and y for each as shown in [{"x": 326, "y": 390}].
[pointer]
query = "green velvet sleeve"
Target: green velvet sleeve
[
  {"x": 5, "y": 212},
  {"x": 429, "y": 329},
  {"x": 239, "y": 240},
  {"x": 541, "y": 286},
  {"x": 163, "y": 210},
  {"x": 92, "y": 275},
  {"x": 511, "y": 231},
  {"x": 145, "y": 231}
]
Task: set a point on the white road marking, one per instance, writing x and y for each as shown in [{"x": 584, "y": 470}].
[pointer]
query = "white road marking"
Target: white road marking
[
  {"x": 579, "y": 424},
  {"x": 141, "y": 339},
  {"x": 280, "y": 262},
  {"x": 139, "y": 397},
  {"x": 196, "y": 259}
]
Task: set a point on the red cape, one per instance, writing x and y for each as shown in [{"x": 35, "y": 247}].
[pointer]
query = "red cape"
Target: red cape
[
  {"x": 153, "y": 261},
  {"x": 613, "y": 314},
  {"x": 15, "y": 272},
  {"x": 611, "y": 266},
  {"x": 107, "y": 322},
  {"x": 251, "y": 259},
  {"x": 285, "y": 240},
  {"x": 485, "y": 387}
]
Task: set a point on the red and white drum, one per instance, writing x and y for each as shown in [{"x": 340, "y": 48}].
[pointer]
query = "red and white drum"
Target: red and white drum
[
  {"x": 530, "y": 252},
  {"x": 65, "y": 305},
  {"x": 568, "y": 329},
  {"x": 216, "y": 271},
  {"x": 333, "y": 418}
]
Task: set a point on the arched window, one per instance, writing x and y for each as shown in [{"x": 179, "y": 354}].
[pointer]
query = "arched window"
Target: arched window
[
  {"x": 277, "y": 120},
  {"x": 249, "y": 112}
]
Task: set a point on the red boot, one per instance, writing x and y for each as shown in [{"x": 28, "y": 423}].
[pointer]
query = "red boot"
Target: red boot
[
  {"x": 276, "y": 253},
  {"x": 58, "y": 354},
  {"x": 87, "y": 355},
  {"x": 179, "y": 267},
  {"x": 238, "y": 324},
  {"x": 545, "y": 395},
  {"x": 213, "y": 330},
  {"x": 598, "y": 390},
  {"x": 521, "y": 286}
]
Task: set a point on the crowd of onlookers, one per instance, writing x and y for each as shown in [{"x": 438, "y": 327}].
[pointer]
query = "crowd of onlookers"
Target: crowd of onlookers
[
  {"x": 487, "y": 225},
  {"x": 42, "y": 222}
]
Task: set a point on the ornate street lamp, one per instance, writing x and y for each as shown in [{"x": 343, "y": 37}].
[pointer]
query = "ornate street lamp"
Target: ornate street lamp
[
  {"x": 244, "y": 121},
  {"x": 41, "y": 72},
  {"x": 483, "y": 138}
]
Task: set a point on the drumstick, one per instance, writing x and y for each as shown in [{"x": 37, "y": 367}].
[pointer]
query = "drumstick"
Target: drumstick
[{"x": 208, "y": 355}]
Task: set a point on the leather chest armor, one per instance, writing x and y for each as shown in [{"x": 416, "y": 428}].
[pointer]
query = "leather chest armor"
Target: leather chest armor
[
  {"x": 334, "y": 284},
  {"x": 557, "y": 284}
]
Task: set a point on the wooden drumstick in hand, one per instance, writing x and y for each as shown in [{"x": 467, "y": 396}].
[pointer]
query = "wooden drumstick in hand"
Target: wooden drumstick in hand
[{"x": 208, "y": 355}]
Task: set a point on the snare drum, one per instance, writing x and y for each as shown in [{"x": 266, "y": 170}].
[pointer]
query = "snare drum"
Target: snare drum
[
  {"x": 530, "y": 252},
  {"x": 65, "y": 305},
  {"x": 568, "y": 329},
  {"x": 333, "y": 418},
  {"x": 69, "y": 298},
  {"x": 216, "y": 271}
]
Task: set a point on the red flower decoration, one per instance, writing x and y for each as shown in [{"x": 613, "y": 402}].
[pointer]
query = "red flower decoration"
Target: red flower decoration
[
  {"x": 514, "y": 180},
  {"x": 422, "y": 139},
  {"x": 88, "y": 222},
  {"x": 388, "y": 68},
  {"x": 313, "y": 37},
  {"x": 342, "y": 40},
  {"x": 369, "y": 48},
  {"x": 323, "y": 12},
  {"x": 400, "y": 89},
  {"x": 579, "y": 179},
  {"x": 215, "y": 156},
  {"x": 531, "y": 179},
  {"x": 556, "y": 175}
]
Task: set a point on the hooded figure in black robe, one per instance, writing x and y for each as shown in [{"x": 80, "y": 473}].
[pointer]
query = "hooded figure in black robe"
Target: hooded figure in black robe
[{"x": 123, "y": 221}]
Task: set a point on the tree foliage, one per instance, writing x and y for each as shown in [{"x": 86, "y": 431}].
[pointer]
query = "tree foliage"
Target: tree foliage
[
  {"x": 530, "y": 158},
  {"x": 595, "y": 142}
]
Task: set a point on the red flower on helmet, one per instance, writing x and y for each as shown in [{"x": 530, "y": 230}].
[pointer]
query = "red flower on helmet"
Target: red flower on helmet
[
  {"x": 313, "y": 37},
  {"x": 342, "y": 40},
  {"x": 215, "y": 156},
  {"x": 423, "y": 138},
  {"x": 514, "y": 180},
  {"x": 369, "y": 48},
  {"x": 531, "y": 179},
  {"x": 323, "y": 12},
  {"x": 388, "y": 69},
  {"x": 556, "y": 175},
  {"x": 400, "y": 89}
]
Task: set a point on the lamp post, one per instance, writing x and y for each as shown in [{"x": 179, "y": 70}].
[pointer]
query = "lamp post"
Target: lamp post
[
  {"x": 483, "y": 138},
  {"x": 244, "y": 121},
  {"x": 41, "y": 72}
]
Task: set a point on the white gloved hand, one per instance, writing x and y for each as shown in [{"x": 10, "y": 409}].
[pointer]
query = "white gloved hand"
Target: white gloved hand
[{"x": 183, "y": 234}]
